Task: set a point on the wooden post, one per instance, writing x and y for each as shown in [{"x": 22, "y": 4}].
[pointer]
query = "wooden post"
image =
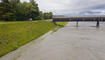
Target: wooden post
[
  {"x": 77, "y": 24},
  {"x": 98, "y": 23}
]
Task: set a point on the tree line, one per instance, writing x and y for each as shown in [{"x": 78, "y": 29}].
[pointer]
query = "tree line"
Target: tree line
[{"x": 15, "y": 10}]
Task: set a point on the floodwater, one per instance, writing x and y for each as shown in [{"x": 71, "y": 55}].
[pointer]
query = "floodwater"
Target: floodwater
[{"x": 85, "y": 42}]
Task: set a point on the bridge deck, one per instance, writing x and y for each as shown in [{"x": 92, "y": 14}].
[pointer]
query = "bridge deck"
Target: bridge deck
[{"x": 80, "y": 18}]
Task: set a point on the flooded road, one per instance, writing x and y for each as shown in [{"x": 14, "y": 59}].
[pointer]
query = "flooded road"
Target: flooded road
[{"x": 69, "y": 43}]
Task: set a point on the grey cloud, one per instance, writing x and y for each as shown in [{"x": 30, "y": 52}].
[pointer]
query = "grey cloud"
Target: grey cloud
[{"x": 71, "y": 6}]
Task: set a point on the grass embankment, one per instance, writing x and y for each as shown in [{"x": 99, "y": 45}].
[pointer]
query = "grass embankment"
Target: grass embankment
[
  {"x": 15, "y": 34},
  {"x": 62, "y": 24}
]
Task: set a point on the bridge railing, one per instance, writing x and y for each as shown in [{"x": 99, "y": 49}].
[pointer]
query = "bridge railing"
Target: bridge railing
[{"x": 78, "y": 19}]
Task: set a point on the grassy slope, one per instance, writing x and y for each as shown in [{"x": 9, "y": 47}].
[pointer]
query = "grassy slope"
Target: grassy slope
[
  {"x": 62, "y": 24},
  {"x": 16, "y": 34}
]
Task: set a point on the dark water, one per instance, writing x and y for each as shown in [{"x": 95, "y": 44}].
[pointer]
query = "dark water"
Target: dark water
[{"x": 86, "y": 25}]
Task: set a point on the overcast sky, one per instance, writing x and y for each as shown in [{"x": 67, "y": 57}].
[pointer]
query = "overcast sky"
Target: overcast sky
[{"x": 67, "y": 7}]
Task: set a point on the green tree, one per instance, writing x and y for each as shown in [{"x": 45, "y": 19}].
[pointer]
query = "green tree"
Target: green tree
[
  {"x": 41, "y": 15},
  {"x": 5, "y": 10},
  {"x": 48, "y": 15},
  {"x": 23, "y": 11},
  {"x": 11, "y": 10},
  {"x": 15, "y": 8},
  {"x": 35, "y": 13}
]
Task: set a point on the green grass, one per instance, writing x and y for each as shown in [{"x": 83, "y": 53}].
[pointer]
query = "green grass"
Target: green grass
[
  {"x": 62, "y": 24},
  {"x": 15, "y": 34}
]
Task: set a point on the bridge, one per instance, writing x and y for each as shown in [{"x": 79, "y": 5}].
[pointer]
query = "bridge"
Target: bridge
[{"x": 77, "y": 19}]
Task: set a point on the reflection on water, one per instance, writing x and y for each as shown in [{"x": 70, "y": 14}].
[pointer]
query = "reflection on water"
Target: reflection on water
[{"x": 85, "y": 25}]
